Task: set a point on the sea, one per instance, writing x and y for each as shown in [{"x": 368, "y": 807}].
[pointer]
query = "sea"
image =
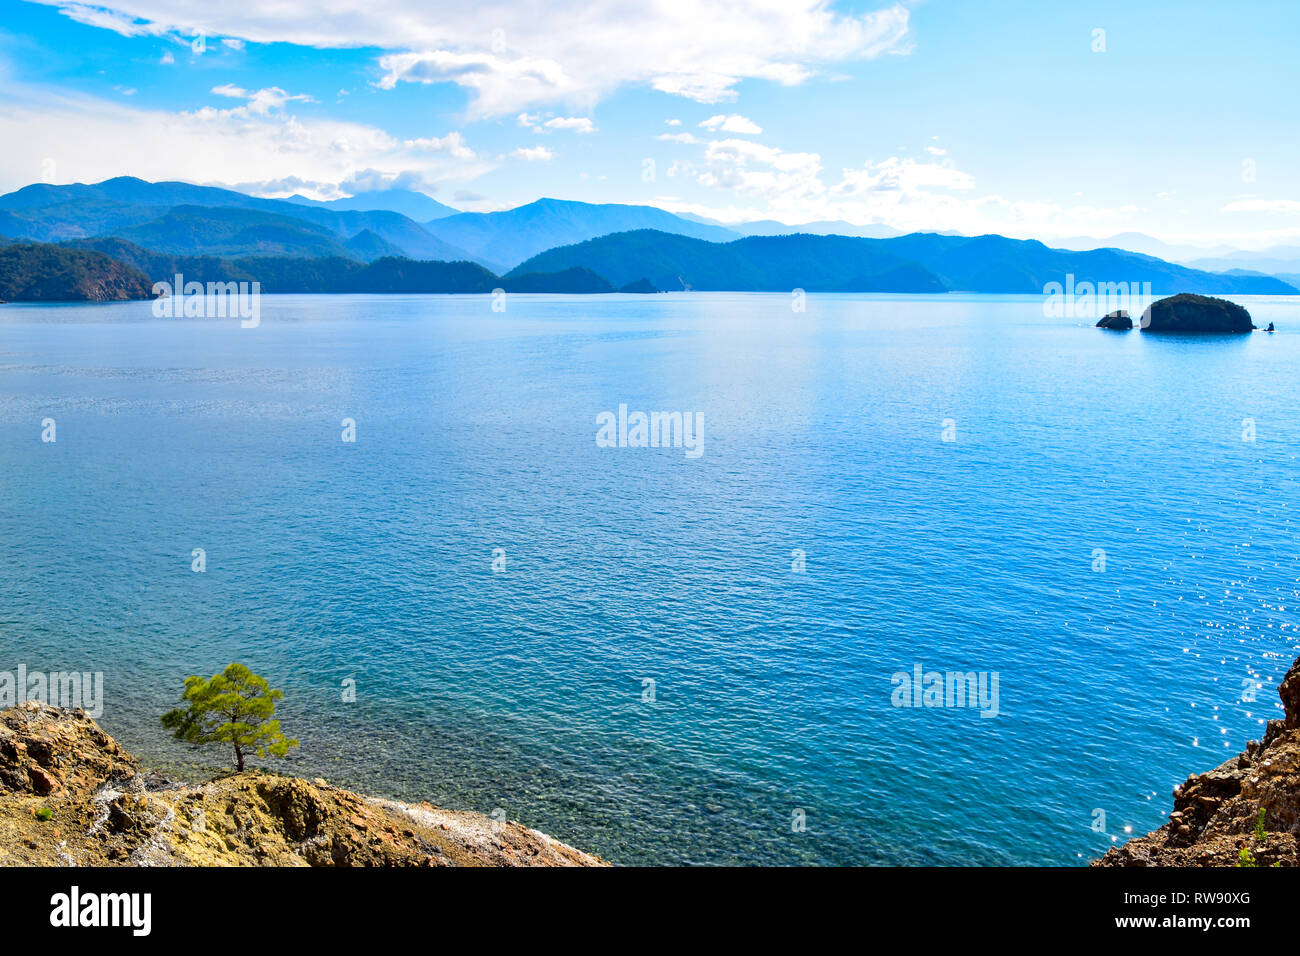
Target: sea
[{"x": 900, "y": 580}]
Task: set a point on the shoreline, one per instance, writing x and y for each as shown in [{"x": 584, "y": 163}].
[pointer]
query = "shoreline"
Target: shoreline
[
  {"x": 1244, "y": 812},
  {"x": 70, "y": 795}
]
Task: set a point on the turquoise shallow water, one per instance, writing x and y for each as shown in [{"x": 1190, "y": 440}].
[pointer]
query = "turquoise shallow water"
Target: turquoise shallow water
[{"x": 822, "y": 433}]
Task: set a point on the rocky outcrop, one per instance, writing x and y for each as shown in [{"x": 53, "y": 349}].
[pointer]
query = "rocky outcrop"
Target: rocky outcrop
[
  {"x": 1120, "y": 321},
  {"x": 70, "y": 795},
  {"x": 1216, "y": 814},
  {"x": 1201, "y": 314}
]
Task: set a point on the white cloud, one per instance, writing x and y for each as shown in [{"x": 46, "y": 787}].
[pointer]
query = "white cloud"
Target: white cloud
[
  {"x": 673, "y": 122},
  {"x": 499, "y": 83},
  {"x": 378, "y": 181},
  {"x": 453, "y": 144},
  {"x": 209, "y": 145},
  {"x": 579, "y": 124},
  {"x": 677, "y": 137},
  {"x": 110, "y": 19},
  {"x": 512, "y": 57},
  {"x": 261, "y": 102},
  {"x": 756, "y": 181},
  {"x": 1263, "y": 205},
  {"x": 735, "y": 123},
  {"x": 533, "y": 154},
  {"x": 902, "y": 176},
  {"x": 547, "y": 122},
  {"x": 757, "y": 170},
  {"x": 166, "y": 58},
  {"x": 936, "y": 151}
]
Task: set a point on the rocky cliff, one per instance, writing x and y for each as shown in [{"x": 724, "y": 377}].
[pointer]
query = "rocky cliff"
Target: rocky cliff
[
  {"x": 70, "y": 795},
  {"x": 1216, "y": 814},
  {"x": 36, "y": 272}
]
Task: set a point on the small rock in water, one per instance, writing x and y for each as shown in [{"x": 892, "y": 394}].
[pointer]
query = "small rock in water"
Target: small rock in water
[{"x": 1120, "y": 321}]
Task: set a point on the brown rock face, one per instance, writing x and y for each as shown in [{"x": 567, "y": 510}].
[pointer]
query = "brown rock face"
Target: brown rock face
[
  {"x": 43, "y": 750},
  {"x": 1216, "y": 813},
  {"x": 104, "y": 812},
  {"x": 1290, "y": 694}
]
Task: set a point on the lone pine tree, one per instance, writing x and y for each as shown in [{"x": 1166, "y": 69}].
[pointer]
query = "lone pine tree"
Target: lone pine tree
[{"x": 233, "y": 707}]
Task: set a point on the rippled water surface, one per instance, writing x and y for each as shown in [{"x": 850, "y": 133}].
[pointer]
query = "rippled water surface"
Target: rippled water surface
[{"x": 524, "y": 690}]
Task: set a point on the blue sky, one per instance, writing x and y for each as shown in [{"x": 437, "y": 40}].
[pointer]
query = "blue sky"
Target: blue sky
[{"x": 1007, "y": 116}]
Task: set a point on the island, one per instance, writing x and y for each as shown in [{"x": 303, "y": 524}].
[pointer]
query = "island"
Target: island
[{"x": 1199, "y": 314}]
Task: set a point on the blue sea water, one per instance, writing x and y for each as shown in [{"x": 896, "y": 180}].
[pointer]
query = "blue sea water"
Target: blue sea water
[{"x": 823, "y": 433}]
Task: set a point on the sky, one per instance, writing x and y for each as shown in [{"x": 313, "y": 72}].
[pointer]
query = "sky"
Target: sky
[{"x": 1027, "y": 118}]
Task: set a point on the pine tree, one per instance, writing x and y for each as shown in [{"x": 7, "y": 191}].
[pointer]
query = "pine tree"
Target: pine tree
[{"x": 233, "y": 707}]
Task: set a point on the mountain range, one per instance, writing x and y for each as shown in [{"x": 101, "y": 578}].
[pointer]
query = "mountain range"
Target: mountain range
[
  {"x": 216, "y": 234},
  {"x": 408, "y": 202},
  {"x": 921, "y": 262},
  {"x": 513, "y": 235},
  {"x": 174, "y": 217}
]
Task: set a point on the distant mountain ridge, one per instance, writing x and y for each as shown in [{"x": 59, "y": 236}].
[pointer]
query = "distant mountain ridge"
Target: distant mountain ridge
[
  {"x": 511, "y": 236},
  {"x": 593, "y": 247},
  {"x": 54, "y": 213},
  {"x": 275, "y": 274},
  {"x": 414, "y": 205},
  {"x": 771, "y": 227},
  {"x": 45, "y": 213},
  {"x": 921, "y": 262}
]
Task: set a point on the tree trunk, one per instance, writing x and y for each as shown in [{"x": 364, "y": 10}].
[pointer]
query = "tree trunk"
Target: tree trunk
[{"x": 239, "y": 759}]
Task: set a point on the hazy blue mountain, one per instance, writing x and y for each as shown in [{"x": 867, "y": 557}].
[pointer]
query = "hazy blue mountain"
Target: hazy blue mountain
[
  {"x": 160, "y": 266},
  {"x": 998, "y": 264},
  {"x": 573, "y": 281},
  {"x": 644, "y": 243},
  {"x": 754, "y": 264},
  {"x": 54, "y": 213},
  {"x": 405, "y": 275},
  {"x": 204, "y": 230},
  {"x": 74, "y": 219},
  {"x": 369, "y": 245},
  {"x": 335, "y": 273},
  {"x": 1139, "y": 242},
  {"x": 920, "y": 262},
  {"x": 413, "y": 205},
  {"x": 511, "y": 236},
  {"x": 703, "y": 220},
  {"x": 405, "y": 234},
  {"x": 126, "y": 190},
  {"x": 770, "y": 227},
  {"x": 1274, "y": 260}
]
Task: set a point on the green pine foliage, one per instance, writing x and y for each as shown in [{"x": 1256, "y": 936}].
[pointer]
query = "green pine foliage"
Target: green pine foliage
[{"x": 234, "y": 707}]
